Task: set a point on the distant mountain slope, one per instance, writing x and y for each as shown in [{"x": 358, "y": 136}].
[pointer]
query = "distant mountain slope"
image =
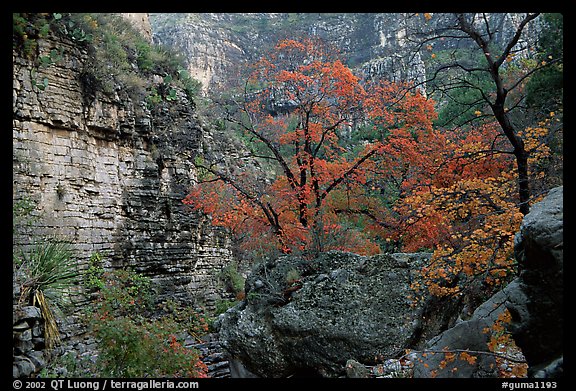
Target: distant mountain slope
[{"x": 377, "y": 44}]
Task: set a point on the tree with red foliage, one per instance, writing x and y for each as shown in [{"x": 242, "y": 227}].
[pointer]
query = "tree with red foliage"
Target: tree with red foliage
[{"x": 299, "y": 103}]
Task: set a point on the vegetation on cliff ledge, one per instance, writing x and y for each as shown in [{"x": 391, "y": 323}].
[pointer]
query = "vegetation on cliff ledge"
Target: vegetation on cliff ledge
[{"x": 119, "y": 57}]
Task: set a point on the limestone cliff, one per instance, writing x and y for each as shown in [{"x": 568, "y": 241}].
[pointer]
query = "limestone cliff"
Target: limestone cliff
[
  {"x": 215, "y": 44},
  {"x": 141, "y": 22},
  {"x": 375, "y": 44},
  {"x": 108, "y": 172}
]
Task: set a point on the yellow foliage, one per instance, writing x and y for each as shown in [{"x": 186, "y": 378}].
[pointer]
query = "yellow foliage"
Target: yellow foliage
[
  {"x": 482, "y": 220},
  {"x": 470, "y": 359},
  {"x": 501, "y": 342}
]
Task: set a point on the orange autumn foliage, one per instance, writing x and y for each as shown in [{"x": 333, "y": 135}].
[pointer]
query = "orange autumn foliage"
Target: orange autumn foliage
[
  {"x": 321, "y": 197},
  {"x": 502, "y": 343},
  {"x": 407, "y": 184},
  {"x": 464, "y": 207}
]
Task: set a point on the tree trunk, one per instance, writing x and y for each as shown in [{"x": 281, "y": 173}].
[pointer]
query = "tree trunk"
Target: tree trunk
[{"x": 520, "y": 153}]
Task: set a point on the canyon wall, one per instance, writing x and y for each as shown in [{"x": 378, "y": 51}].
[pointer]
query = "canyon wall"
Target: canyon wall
[
  {"x": 217, "y": 44},
  {"x": 376, "y": 45},
  {"x": 108, "y": 173}
]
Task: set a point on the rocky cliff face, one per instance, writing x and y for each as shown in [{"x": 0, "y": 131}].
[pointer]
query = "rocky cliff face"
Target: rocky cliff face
[
  {"x": 538, "y": 328},
  {"x": 108, "y": 173},
  {"x": 375, "y": 44},
  {"x": 141, "y": 21},
  {"x": 216, "y": 44}
]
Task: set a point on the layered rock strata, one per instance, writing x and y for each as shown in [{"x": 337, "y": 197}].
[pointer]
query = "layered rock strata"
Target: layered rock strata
[{"x": 108, "y": 173}]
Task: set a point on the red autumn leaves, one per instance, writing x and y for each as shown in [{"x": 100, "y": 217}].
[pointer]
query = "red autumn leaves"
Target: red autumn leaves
[{"x": 359, "y": 165}]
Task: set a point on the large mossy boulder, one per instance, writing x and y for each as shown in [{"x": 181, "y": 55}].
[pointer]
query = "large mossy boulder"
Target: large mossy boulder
[{"x": 308, "y": 317}]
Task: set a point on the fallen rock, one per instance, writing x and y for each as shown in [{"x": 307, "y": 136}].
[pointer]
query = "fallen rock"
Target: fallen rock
[
  {"x": 26, "y": 313},
  {"x": 306, "y": 318},
  {"x": 356, "y": 370}
]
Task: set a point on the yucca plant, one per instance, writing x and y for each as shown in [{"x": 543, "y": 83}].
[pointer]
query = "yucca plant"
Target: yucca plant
[{"x": 49, "y": 272}]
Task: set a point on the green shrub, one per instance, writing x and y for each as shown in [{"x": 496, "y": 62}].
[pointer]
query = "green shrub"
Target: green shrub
[
  {"x": 70, "y": 364},
  {"x": 153, "y": 98},
  {"x": 93, "y": 275},
  {"x": 129, "y": 348},
  {"x": 144, "y": 59},
  {"x": 134, "y": 343},
  {"x": 292, "y": 276},
  {"x": 119, "y": 55},
  {"x": 27, "y": 28},
  {"x": 122, "y": 293},
  {"x": 191, "y": 86},
  {"x": 188, "y": 318},
  {"x": 223, "y": 305},
  {"x": 231, "y": 279}
]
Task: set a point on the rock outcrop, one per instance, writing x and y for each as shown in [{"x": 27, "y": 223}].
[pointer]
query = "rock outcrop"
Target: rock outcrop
[
  {"x": 108, "y": 172},
  {"x": 538, "y": 328},
  {"x": 217, "y": 43},
  {"x": 472, "y": 335},
  {"x": 211, "y": 354},
  {"x": 375, "y": 44},
  {"x": 307, "y": 318},
  {"x": 28, "y": 337},
  {"x": 141, "y": 21}
]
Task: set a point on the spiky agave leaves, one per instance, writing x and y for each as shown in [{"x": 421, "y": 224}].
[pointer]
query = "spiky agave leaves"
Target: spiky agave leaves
[{"x": 50, "y": 272}]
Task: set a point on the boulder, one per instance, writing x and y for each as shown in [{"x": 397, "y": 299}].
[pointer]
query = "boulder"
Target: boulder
[
  {"x": 539, "y": 250},
  {"x": 308, "y": 317},
  {"x": 471, "y": 335},
  {"x": 354, "y": 370},
  {"x": 332, "y": 315},
  {"x": 28, "y": 313}
]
